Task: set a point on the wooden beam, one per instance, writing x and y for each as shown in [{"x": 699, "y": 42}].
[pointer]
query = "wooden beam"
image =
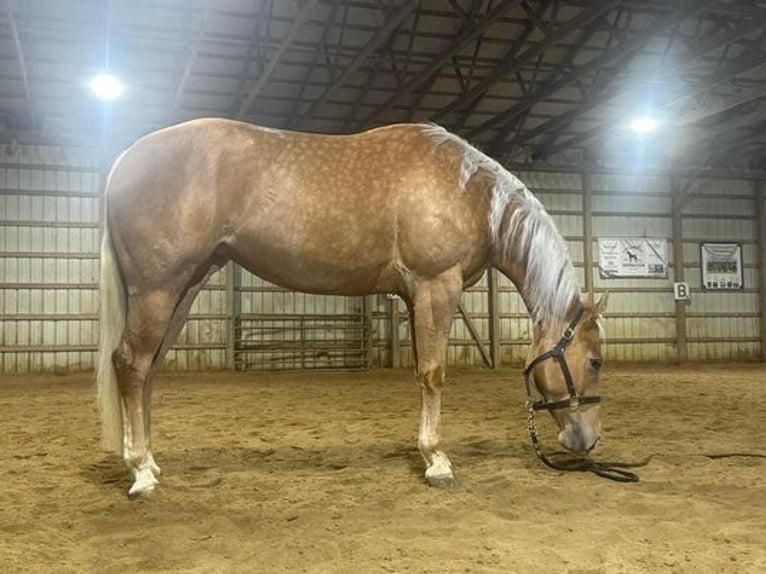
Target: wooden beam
[
  {"x": 682, "y": 351},
  {"x": 287, "y": 41},
  {"x": 760, "y": 225}
]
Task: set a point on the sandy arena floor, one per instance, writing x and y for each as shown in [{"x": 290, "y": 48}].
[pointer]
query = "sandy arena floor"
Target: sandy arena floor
[{"x": 319, "y": 473}]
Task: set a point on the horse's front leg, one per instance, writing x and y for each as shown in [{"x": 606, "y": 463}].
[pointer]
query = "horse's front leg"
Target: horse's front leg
[{"x": 432, "y": 308}]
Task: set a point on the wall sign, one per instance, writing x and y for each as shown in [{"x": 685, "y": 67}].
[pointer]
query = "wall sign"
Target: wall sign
[
  {"x": 721, "y": 266},
  {"x": 681, "y": 291},
  {"x": 633, "y": 257}
]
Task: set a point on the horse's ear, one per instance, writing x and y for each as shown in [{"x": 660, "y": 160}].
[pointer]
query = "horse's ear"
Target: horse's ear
[{"x": 600, "y": 306}]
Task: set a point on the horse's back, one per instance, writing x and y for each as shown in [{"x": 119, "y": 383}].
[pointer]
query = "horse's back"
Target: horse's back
[{"x": 310, "y": 211}]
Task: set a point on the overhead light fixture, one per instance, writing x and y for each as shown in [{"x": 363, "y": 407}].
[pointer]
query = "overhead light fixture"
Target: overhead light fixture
[
  {"x": 106, "y": 86},
  {"x": 644, "y": 125}
]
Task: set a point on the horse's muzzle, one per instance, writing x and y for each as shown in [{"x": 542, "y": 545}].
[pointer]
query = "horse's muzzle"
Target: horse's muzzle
[{"x": 578, "y": 440}]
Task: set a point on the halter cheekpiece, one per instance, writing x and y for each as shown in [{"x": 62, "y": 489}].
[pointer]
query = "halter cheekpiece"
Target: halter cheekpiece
[{"x": 574, "y": 400}]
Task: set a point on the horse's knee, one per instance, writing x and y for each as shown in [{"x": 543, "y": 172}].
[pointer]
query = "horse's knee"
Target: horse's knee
[{"x": 431, "y": 378}]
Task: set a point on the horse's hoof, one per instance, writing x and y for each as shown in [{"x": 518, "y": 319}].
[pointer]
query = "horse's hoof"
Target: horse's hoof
[
  {"x": 442, "y": 481},
  {"x": 135, "y": 493},
  {"x": 144, "y": 483}
]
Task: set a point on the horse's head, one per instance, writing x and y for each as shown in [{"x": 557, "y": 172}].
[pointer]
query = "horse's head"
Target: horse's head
[{"x": 564, "y": 365}]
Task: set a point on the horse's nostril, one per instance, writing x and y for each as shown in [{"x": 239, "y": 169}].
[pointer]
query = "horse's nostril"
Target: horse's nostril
[{"x": 593, "y": 445}]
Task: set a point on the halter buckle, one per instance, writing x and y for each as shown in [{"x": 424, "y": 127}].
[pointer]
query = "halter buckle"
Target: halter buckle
[
  {"x": 568, "y": 334},
  {"x": 574, "y": 401}
]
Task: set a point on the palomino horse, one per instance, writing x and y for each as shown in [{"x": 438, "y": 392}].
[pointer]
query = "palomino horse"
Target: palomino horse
[{"x": 405, "y": 209}]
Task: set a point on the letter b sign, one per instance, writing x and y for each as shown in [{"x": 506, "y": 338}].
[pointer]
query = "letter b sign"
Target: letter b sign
[{"x": 681, "y": 291}]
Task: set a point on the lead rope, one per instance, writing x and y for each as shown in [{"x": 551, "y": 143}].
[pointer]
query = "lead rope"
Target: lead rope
[{"x": 611, "y": 470}]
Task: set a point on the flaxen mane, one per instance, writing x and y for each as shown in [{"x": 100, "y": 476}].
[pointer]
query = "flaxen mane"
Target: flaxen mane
[{"x": 550, "y": 286}]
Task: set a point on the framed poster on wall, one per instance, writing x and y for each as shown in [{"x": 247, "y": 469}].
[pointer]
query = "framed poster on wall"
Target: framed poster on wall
[
  {"x": 633, "y": 257},
  {"x": 721, "y": 265}
]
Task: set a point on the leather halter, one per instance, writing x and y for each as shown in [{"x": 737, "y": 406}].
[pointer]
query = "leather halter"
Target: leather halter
[
  {"x": 574, "y": 400},
  {"x": 611, "y": 470}
]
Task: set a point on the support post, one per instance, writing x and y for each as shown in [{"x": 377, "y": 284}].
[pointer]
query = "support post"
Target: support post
[
  {"x": 493, "y": 304},
  {"x": 234, "y": 310},
  {"x": 682, "y": 351},
  {"x": 760, "y": 225},
  {"x": 368, "y": 306},
  {"x": 395, "y": 344},
  {"x": 587, "y": 232}
]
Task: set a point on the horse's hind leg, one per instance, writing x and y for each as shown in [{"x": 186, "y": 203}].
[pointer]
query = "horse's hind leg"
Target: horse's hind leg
[
  {"x": 175, "y": 324},
  {"x": 146, "y": 324},
  {"x": 433, "y": 306}
]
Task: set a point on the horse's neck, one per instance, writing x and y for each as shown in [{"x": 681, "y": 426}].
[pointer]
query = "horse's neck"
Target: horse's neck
[{"x": 532, "y": 254}]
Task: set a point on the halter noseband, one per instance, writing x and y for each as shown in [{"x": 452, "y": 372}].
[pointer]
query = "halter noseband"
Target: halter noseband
[{"x": 574, "y": 400}]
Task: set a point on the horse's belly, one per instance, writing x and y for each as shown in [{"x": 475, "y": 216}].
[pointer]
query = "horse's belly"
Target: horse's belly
[{"x": 339, "y": 267}]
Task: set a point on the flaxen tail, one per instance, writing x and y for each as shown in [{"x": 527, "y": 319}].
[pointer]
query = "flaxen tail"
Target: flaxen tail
[{"x": 111, "y": 326}]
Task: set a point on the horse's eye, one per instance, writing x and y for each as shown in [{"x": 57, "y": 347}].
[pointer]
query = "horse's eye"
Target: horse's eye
[{"x": 595, "y": 364}]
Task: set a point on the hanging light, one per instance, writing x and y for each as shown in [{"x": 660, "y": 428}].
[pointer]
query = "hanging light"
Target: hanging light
[
  {"x": 644, "y": 124},
  {"x": 106, "y": 86}
]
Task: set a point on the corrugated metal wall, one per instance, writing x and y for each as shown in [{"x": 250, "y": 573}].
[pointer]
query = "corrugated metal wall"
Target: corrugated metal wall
[
  {"x": 722, "y": 324},
  {"x": 49, "y": 239},
  {"x": 640, "y": 324},
  {"x": 50, "y": 212}
]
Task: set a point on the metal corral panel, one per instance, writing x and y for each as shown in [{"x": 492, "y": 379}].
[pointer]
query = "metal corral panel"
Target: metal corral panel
[
  {"x": 281, "y": 329},
  {"x": 202, "y": 342}
]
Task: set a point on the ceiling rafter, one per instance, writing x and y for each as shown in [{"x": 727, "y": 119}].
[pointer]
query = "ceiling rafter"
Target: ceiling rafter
[
  {"x": 514, "y": 49},
  {"x": 420, "y": 79},
  {"x": 191, "y": 58},
  {"x": 390, "y": 26},
  {"x": 725, "y": 73},
  {"x": 686, "y": 9},
  {"x": 509, "y": 64},
  {"x": 332, "y": 64},
  {"x": 253, "y": 52},
  {"x": 729, "y": 137},
  {"x": 329, "y": 25},
  {"x": 287, "y": 41},
  {"x": 754, "y": 157},
  {"x": 377, "y": 64},
  {"x": 566, "y": 64}
]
